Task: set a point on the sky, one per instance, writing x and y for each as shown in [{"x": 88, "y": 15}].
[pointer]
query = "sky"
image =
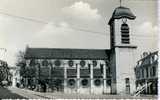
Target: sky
[{"x": 71, "y": 24}]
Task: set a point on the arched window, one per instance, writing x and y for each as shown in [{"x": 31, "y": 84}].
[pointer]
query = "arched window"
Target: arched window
[
  {"x": 57, "y": 63},
  {"x": 125, "y": 34},
  {"x": 82, "y": 63},
  {"x": 70, "y": 63}
]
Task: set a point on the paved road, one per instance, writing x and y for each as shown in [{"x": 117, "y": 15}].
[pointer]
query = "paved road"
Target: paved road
[
  {"x": 28, "y": 94},
  {"x": 7, "y": 94},
  {"x": 37, "y": 95}
]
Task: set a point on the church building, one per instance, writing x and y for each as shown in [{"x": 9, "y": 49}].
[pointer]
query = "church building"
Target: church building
[{"x": 89, "y": 71}]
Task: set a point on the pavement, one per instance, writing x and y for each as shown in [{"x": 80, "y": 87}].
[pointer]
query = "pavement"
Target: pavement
[
  {"x": 38, "y": 95},
  {"x": 29, "y": 94},
  {"x": 7, "y": 94}
]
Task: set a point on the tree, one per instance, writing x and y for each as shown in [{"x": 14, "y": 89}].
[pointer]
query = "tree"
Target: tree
[
  {"x": 26, "y": 72},
  {"x": 4, "y": 71},
  {"x": 21, "y": 62}
]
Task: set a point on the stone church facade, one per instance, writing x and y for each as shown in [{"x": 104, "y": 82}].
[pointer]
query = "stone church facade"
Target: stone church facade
[
  {"x": 92, "y": 71},
  {"x": 71, "y": 70}
]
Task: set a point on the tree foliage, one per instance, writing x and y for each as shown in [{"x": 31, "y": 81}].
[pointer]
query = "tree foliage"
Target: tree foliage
[
  {"x": 25, "y": 71},
  {"x": 4, "y": 71},
  {"x": 21, "y": 62}
]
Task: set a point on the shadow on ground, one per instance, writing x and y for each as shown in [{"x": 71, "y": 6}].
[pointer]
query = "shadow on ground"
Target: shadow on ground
[{"x": 7, "y": 94}]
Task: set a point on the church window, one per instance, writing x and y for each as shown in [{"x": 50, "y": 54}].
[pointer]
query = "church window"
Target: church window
[
  {"x": 82, "y": 63},
  {"x": 71, "y": 82},
  {"x": 44, "y": 63},
  {"x": 97, "y": 82},
  {"x": 70, "y": 63},
  {"x": 57, "y": 63},
  {"x": 84, "y": 82}
]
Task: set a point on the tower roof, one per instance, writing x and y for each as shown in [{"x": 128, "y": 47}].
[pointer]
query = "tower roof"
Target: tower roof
[{"x": 122, "y": 12}]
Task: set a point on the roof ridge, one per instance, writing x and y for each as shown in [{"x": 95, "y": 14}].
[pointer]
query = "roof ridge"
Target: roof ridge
[{"x": 70, "y": 48}]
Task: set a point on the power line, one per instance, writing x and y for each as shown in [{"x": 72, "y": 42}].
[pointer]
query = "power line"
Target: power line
[
  {"x": 43, "y": 22},
  {"x": 72, "y": 26},
  {"x": 85, "y": 30},
  {"x": 24, "y": 18}
]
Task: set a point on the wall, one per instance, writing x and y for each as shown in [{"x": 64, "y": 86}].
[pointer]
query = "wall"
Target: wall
[
  {"x": 91, "y": 88},
  {"x": 125, "y": 69}
]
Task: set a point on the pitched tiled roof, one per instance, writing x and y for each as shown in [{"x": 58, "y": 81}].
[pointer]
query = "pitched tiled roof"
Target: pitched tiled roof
[{"x": 59, "y": 53}]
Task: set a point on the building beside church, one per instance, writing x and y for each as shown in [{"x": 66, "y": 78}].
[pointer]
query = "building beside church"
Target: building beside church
[
  {"x": 93, "y": 71},
  {"x": 146, "y": 72}
]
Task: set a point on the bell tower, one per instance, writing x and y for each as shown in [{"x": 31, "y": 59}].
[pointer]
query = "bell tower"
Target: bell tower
[{"x": 122, "y": 51}]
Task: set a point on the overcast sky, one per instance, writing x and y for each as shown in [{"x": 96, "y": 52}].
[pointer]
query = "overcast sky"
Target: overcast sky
[{"x": 71, "y": 24}]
